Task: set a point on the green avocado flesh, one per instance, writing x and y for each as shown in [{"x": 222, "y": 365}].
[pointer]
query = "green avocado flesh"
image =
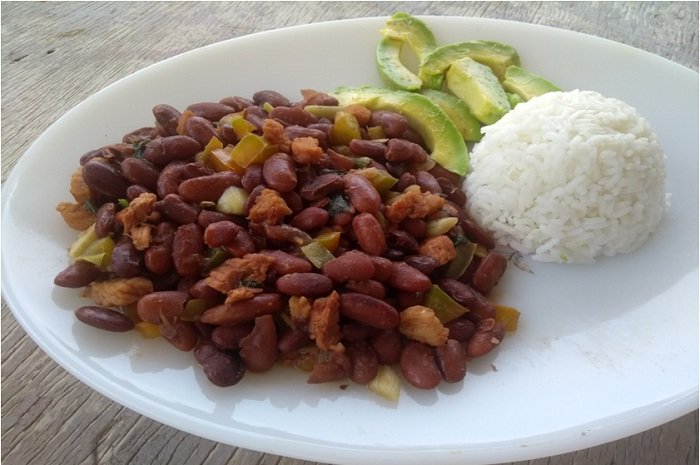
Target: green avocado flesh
[
  {"x": 411, "y": 31},
  {"x": 442, "y": 137},
  {"x": 402, "y": 30},
  {"x": 458, "y": 112},
  {"x": 495, "y": 55},
  {"x": 391, "y": 70},
  {"x": 526, "y": 84},
  {"x": 479, "y": 88}
]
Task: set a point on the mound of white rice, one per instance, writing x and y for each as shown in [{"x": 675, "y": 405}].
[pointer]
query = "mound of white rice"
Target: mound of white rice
[{"x": 567, "y": 177}]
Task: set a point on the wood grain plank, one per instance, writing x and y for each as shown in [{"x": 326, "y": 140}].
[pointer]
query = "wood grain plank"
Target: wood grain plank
[{"x": 56, "y": 54}]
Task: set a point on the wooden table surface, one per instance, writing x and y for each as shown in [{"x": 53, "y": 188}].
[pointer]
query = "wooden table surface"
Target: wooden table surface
[{"x": 55, "y": 54}]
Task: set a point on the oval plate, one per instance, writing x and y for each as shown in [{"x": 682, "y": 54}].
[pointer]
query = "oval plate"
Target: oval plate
[{"x": 603, "y": 351}]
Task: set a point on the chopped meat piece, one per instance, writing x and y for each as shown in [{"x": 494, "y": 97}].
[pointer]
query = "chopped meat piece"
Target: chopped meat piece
[
  {"x": 413, "y": 203},
  {"x": 299, "y": 309},
  {"x": 242, "y": 293},
  {"x": 141, "y": 235},
  {"x": 78, "y": 188},
  {"x": 76, "y": 215},
  {"x": 305, "y": 150},
  {"x": 137, "y": 211},
  {"x": 421, "y": 323},
  {"x": 323, "y": 321},
  {"x": 234, "y": 272},
  {"x": 118, "y": 291},
  {"x": 269, "y": 208},
  {"x": 274, "y": 132},
  {"x": 441, "y": 248}
]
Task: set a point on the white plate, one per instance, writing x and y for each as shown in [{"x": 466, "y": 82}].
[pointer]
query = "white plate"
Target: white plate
[{"x": 603, "y": 351}]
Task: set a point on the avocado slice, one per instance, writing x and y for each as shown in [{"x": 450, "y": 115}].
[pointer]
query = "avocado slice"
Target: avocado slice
[
  {"x": 391, "y": 70},
  {"x": 437, "y": 130},
  {"x": 402, "y": 29},
  {"x": 526, "y": 84},
  {"x": 514, "y": 99},
  {"x": 412, "y": 32},
  {"x": 479, "y": 88},
  {"x": 496, "y": 55},
  {"x": 458, "y": 112}
]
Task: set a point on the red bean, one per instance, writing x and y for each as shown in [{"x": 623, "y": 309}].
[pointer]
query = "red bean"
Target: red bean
[
  {"x": 258, "y": 350},
  {"x": 335, "y": 366},
  {"x": 363, "y": 362},
  {"x": 104, "y": 318},
  {"x": 368, "y": 148},
  {"x": 452, "y": 360},
  {"x": 293, "y": 115},
  {"x": 164, "y": 150},
  {"x": 488, "y": 335},
  {"x": 167, "y": 118},
  {"x": 177, "y": 210},
  {"x": 407, "y": 278},
  {"x": 489, "y": 272},
  {"x": 461, "y": 329},
  {"x": 418, "y": 365},
  {"x": 369, "y": 287},
  {"x": 310, "y": 218},
  {"x": 181, "y": 334},
  {"x": 362, "y": 194},
  {"x": 208, "y": 188},
  {"x": 383, "y": 268},
  {"x": 229, "y": 337},
  {"x": 220, "y": 233},
  {"x": 369, "y": 233},
  {"x": 141, "y": 172},
  {"x": 321, "y": 186},
  {"x": 223, "y": 369},
  {"x": 127, "y": 261},
  {"x": 104, "y": 180},
  {"x": 105, "y": 219},
  {"x": 188, "y": 246},
  {"x": 199, "y": 129},
  {"x": 293, "y": 339},
  {"x": 286, "y": 263},
  {"x": 305, "y": 284},
  {"x": 479, "y": 307},
  {"x": 212, "y": 111},
  {"x": 353, "y": 265},
  {"x": 368, "y": 310},
  {"x": 154, "y": 307},
  {"x": 387, "y": 346},
  {"x": 78, "y": 274},
  {"x": 279, "y": 173},
  {"x": 244, "y": 310},
  {"x": 394, "y": 124},
  {"x": 272, "y": 97}
]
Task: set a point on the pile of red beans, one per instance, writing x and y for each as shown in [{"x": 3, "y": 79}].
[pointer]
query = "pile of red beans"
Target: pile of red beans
[{"x": 248, "y": 272}]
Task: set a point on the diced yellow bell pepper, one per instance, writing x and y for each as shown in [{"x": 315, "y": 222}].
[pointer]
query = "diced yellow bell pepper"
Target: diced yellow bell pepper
[
  {"x": 317, "y": 253},
  {"x": 380, "y": 179},
  {"x": 220, "y": 160},
  {"x": 147, "y": 330},
  {"x": 345, "y": 128},
  {"x": 376, "y": 132},
  {"x": 387, "y": 383},
  {"x": 329, "y": 239},
  {"x": 507, "y": 316}
]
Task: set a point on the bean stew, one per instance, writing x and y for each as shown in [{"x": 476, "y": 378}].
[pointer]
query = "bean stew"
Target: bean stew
[{"x": 260, "y": 231}]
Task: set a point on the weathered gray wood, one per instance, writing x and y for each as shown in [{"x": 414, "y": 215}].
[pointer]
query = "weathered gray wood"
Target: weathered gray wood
[{"x": 55, "y": 55}]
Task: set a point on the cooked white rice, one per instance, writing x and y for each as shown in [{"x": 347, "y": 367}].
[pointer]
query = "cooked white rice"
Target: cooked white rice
[{"x": 567, "y": 177}]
